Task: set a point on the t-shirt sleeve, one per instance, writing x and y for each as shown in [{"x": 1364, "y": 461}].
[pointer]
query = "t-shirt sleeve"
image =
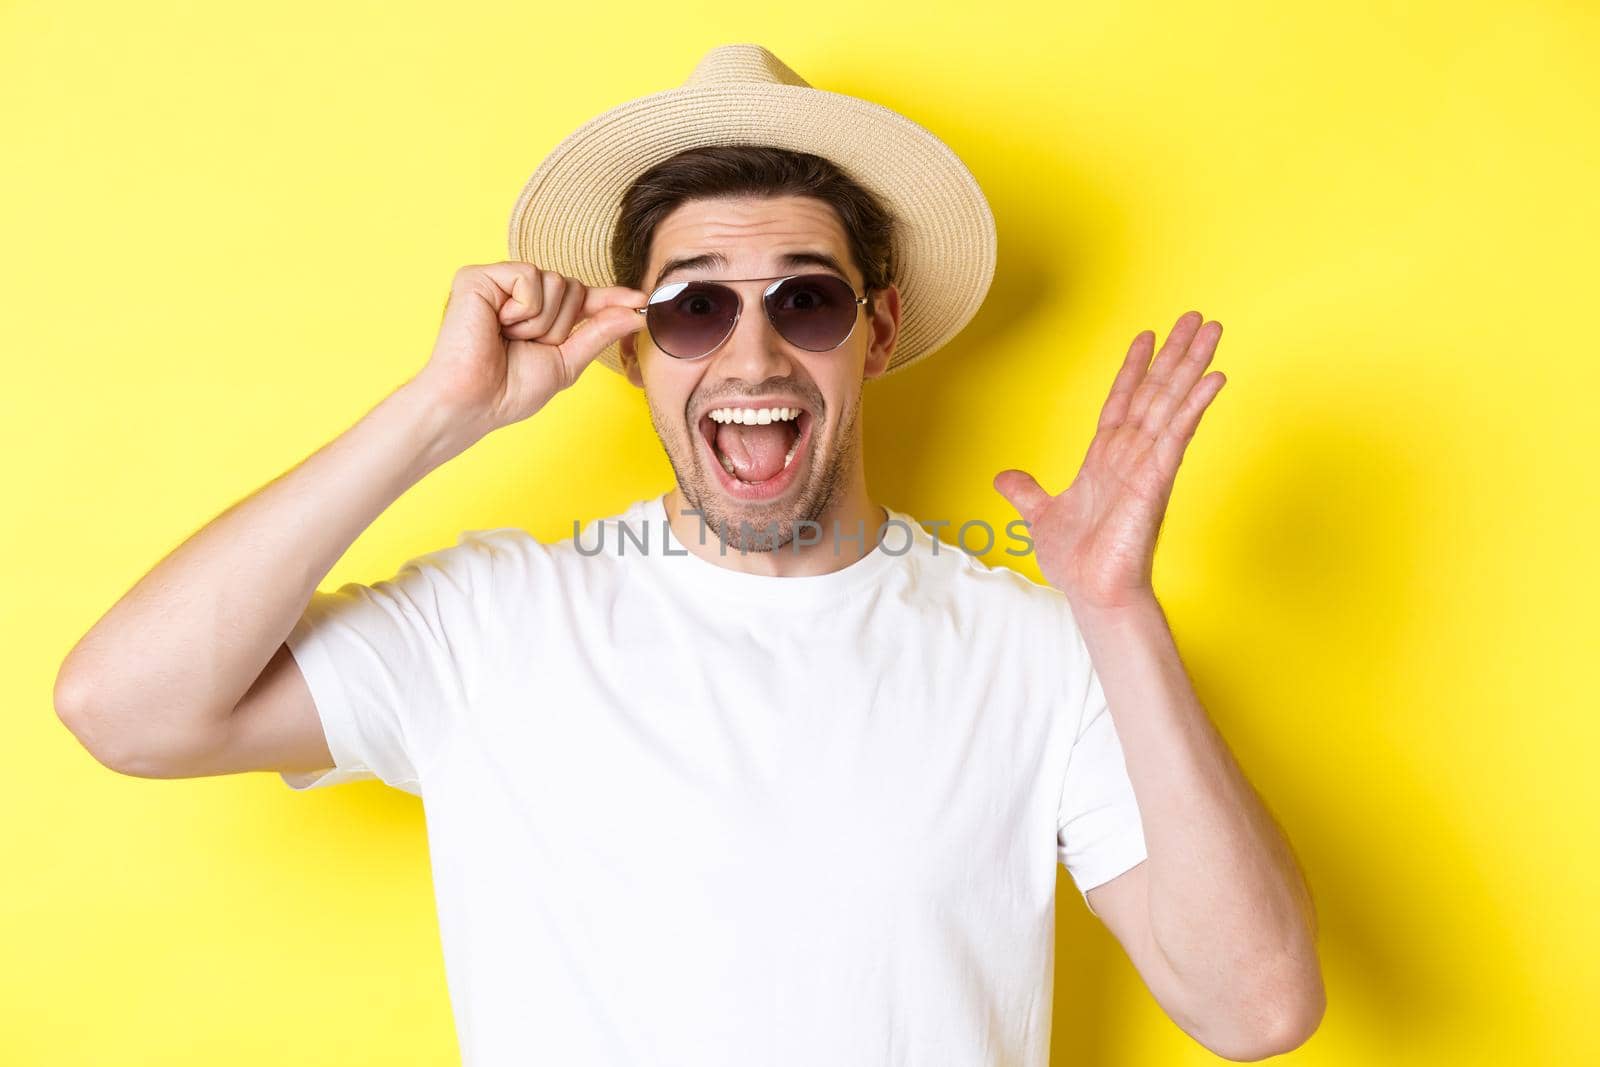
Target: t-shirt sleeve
[
  {"x": 387, "y": 663},
  {"x": 1099, "y": 832}
]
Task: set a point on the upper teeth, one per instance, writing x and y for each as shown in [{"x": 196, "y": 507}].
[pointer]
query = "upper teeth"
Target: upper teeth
[{"x": 754, "y": 416}]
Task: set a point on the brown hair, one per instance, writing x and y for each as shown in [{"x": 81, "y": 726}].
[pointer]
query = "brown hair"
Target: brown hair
[{"x": 758, "y": 170}]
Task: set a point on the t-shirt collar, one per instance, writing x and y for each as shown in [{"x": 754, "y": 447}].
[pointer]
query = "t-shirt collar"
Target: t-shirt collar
[{"x": 703, "y": 575}]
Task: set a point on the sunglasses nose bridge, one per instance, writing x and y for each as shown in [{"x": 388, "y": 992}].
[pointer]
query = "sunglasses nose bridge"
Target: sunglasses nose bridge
[{"x": 753, "y": 347}]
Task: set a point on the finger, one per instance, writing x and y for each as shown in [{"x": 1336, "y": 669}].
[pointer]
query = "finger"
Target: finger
[
  {"x": 1024, "y": 494},
  {"x": 594, "y": 334},
  {"x": 527, "y": 330},
  {"x": 482, "y": 294},
  {"x": 553, "y": 286},
  {"x": 590, "y": 301},
  {"x": 1127, "y": 380},
  {"x": 1175, "y": 438},
  {"x": 571, "y": 307},
  {"x": 1177, "y": 343},
  {"x": 512, "y": 289},
  {"x": 599, "y": 298},
  {"x": 1184, "y": 374}
]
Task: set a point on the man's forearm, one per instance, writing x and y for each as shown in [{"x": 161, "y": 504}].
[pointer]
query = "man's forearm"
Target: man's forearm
[
  {"x": 1229, "y": 908},
  {"x": 184, "y": 644}
]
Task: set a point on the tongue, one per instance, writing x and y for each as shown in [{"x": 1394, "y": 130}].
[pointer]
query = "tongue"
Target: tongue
[{"x": 756, "y": 451}]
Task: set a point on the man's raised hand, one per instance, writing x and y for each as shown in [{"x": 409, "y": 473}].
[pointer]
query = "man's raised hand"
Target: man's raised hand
[
  {"x": 1096, "y": 539},
  {"x": 514, "y": 335}
]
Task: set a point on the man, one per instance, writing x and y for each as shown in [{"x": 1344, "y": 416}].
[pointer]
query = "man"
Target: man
[{"x": 752, "y": 772}]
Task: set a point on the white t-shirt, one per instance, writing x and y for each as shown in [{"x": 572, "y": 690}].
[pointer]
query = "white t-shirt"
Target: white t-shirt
[{"x": 682, "y": 815}]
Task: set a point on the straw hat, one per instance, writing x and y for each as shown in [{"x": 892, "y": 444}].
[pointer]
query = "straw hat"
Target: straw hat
[{"x": 743, "y": 94}]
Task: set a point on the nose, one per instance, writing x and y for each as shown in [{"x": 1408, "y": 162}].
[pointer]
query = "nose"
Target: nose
[{"x": 754, "y": 351}]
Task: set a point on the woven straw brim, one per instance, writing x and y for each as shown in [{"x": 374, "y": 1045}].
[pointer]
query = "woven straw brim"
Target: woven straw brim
[{"x": 945, "y": 234}]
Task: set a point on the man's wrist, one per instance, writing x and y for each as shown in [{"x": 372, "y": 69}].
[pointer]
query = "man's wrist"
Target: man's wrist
[
  {"x": 1127, "y": 611},
  {"x": 437, "y": 432}
]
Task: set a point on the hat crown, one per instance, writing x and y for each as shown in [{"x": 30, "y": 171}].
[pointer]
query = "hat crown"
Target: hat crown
[{"x": 743, "y": 64}]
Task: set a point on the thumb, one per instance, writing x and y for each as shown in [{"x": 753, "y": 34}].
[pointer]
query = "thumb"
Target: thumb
[
  {"x": 1022, "y": 491},
  {"x": 596, "y": 332}
]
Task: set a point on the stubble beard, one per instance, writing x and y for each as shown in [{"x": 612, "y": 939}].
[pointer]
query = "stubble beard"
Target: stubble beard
[{"x": 755, "y": 526}]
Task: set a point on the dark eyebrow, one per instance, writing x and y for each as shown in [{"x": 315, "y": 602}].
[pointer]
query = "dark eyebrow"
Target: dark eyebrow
[
  {"x": 789, "y": 261},
  {"x": 814, "y": 259},
  {"x": 700, "y": 262}
]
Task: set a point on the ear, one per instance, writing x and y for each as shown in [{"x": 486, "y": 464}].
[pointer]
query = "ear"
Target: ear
[
  {"x": 628, "y": 356},
  {"x": 885, "y": 324}
]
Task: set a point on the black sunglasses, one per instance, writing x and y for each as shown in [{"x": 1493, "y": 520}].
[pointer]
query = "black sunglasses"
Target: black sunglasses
[{"x": 816, "y": 312}]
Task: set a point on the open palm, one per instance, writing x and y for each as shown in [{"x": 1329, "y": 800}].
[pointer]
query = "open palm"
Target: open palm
[{"x": 1096, "y": 540}]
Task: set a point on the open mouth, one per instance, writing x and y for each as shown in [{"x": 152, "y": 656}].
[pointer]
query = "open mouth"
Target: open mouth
[{"x": 756, "y": 450}]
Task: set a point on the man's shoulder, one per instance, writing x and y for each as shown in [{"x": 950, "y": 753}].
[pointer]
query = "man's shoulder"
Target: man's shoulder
[
  {"x": 499, "y": 553},
  {"x": 578, "y": 530}
]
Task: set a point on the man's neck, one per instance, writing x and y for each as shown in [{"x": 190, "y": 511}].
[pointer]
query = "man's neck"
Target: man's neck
[{"x": 858, "y": 522}]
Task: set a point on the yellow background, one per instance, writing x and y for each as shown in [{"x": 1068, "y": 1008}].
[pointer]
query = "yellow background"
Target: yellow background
[{"x": 229, "y": 230}]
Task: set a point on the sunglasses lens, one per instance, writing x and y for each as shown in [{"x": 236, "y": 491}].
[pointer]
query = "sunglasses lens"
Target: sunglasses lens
[
  {"x": 815, "y": 312},
  {"x": 689, "y": 319}
]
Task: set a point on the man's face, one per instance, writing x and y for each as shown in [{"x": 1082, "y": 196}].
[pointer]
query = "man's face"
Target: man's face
[{"x": 756, "y": 368}]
